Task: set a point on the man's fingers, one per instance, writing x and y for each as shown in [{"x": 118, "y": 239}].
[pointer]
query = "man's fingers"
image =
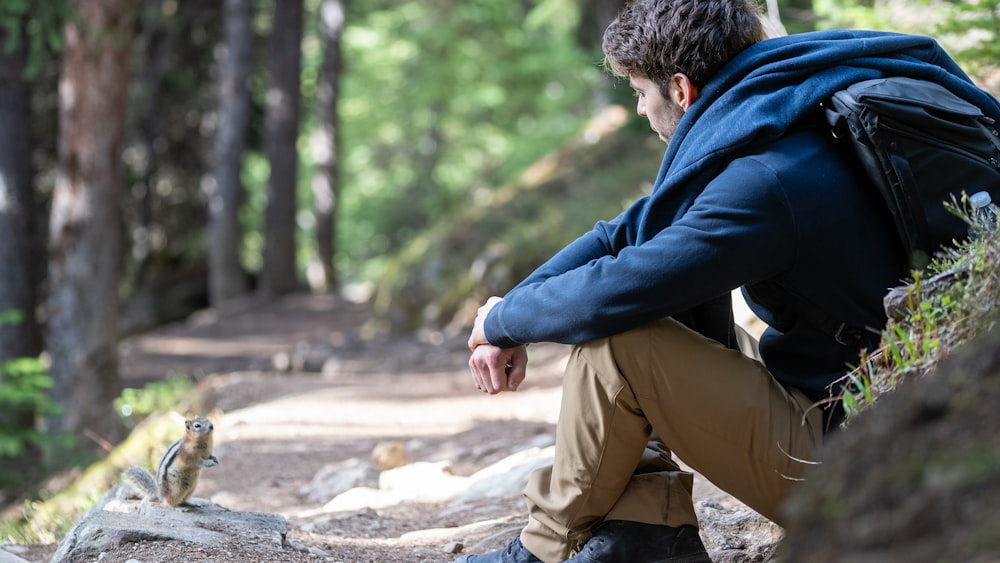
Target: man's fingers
[
  {"x": 517, "y": 367},
  {"x": 489, "y": 368},
  {"x": 496, "y": 369},
  {"x": 515, "y": 376},
  {"x": 481, "y": 364},
  {"x": 474, "y": 370},
  {"x": 498, "y": 376}
]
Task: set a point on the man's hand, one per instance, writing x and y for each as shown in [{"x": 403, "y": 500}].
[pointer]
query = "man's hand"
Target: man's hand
[
  {"x": 478, "y": 336},
  {"x": 494, "y": 369},
  {"x": 497, "y": 369}
]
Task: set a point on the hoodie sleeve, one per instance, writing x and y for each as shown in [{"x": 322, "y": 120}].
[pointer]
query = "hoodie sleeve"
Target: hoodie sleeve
[
  {"x": 605, "y": 239},
  {"x": 739, "y": 229}
]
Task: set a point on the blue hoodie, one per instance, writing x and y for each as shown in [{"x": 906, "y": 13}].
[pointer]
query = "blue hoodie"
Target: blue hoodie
[{"x": 750, "y": 194}]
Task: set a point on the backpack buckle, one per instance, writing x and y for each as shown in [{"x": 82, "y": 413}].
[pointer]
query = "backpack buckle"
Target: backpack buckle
[{"x": 847, "y": 335}]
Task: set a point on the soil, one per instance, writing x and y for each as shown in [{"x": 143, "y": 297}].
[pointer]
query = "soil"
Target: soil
[
  {"x": 277, "y": 428},
  {"x": 935, "y": 492}
]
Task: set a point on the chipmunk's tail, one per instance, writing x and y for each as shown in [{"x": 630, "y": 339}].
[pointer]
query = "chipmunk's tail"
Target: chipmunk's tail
[{"x": 142, "y": 482}]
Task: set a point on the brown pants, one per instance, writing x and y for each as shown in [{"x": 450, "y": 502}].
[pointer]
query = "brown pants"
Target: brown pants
[{"x": 718, "y": 410}]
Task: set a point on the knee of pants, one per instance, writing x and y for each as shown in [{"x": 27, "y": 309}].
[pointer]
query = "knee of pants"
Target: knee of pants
[
  {"x": 647, "y": 358},
  {"x": 595, "y": 359},
  {"x": 592, "y": 376}
]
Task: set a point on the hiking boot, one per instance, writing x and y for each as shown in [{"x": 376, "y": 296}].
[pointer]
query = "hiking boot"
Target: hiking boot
[
  {"x": 619, "y": 541},
  {"x": 513, "y": 553}
]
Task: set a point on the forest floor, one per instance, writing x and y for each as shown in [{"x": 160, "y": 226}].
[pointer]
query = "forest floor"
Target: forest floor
[{"x": 277, "y": 429}]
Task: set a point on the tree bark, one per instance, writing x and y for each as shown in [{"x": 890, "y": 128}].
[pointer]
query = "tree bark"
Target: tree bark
[
  {"x": 325, "y": 143},
  {"x": 281, "y": 129},
  {"x": 595, "y": 15},
  {"x": 227, "y": 279},
  {"x": 85, "y": 231},
  {"x": 19, "y": 337},
  {"x": 17, "y": 290}
]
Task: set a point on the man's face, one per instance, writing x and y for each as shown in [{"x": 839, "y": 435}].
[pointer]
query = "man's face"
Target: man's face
[{"x": 663, "y": 113}]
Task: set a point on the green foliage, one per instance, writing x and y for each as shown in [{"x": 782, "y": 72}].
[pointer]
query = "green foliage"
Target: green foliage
[
  {"x": 860, "y": 395},
  {"x": 36, "y": 26},
  {"x": 24, "y": 399},
  {"x": 797, "y": 16},
  {"x": 970, "y": 31},
  {"x": 438, "y": 100},
  {"x": 255, "y": 172},
  {"x": 445, "y": 272},
  {"x": 19, "y": 531},
  {"x": 157, "y": 397},
  {"x": 25, "y": 389},
  {"x": 11, "y": 317},
  {"x": 443, "y": 100},
  {"x": 955, "y": 300},
  {"x": 974, "y": 30},
  {"x": 864, "y": 14}
]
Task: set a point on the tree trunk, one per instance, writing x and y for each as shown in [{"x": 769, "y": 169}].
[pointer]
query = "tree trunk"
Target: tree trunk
[
  {"x": 325, "y": 143},
  {"x": 227, "y": 279},
  {"x": 86, "y": 226},
  {"x": 595, "y": 15},
  {"x": 281, "y": 128},
  {"x": 18, "y": 339}
]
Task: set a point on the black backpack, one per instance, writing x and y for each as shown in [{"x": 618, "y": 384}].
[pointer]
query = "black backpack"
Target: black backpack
[{"x": 922, "y": 146}]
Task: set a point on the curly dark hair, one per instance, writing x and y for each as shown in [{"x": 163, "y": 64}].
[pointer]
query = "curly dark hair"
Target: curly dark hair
[{"x": 659, "y": 38}]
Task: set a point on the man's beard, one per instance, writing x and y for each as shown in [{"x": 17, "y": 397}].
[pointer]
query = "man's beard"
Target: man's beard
[{"x": 673, "y": 117}]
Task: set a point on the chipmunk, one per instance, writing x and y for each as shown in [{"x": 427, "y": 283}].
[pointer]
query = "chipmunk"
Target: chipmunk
[{"x": 177, "y": 475}]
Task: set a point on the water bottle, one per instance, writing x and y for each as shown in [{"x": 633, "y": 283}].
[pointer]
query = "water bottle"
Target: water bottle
[{"x": 984, "y": 213}]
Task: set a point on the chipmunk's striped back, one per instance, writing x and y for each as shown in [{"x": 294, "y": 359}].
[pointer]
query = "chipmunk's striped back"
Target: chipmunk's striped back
[
  {"x": 168, "y": 482},
  {"x": 179, "y": 469}
]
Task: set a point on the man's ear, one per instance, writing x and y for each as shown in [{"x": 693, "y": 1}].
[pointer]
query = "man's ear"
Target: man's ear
[{"x": 683, "y": 92}]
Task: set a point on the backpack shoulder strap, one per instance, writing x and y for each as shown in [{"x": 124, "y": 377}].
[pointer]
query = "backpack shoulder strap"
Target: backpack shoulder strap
[{"x": 844, "y": 333}]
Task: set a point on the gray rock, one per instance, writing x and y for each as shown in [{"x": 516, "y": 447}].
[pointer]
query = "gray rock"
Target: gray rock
[
  {"x": 114, "y": 522},
  {"x": 8, "y": 557},
  {"x": 736, "y": 535},
  {"x": 453, "y": 547},
  {"x": 335, "y": 479},
  {"x": 509, "y": 476}
]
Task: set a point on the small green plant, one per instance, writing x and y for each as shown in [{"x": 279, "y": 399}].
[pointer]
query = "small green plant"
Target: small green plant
[
  {"x": 955, "y": 299},
  {"x": 25, "y": 390},
  {"x": 159, "y": 396},
  {"x": 24, "y": 399},
  {"x": 860, "y": 392}
]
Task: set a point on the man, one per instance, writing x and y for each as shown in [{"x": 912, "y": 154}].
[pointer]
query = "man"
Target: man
[{"x": 753, "y": 192}]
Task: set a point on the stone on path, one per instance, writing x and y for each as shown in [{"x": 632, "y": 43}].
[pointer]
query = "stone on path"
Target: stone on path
[{"x": 114, "y": 522}]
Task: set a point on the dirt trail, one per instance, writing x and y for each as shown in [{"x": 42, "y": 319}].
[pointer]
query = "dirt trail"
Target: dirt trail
[{"x": 278, "y": 429}]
